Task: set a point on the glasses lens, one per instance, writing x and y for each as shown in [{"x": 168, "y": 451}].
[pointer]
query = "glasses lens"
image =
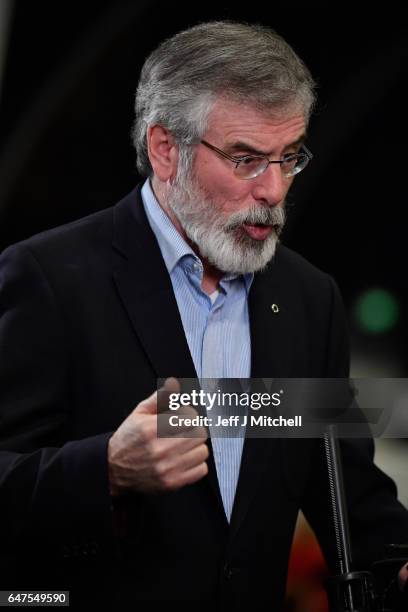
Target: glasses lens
[
  {"x": 251, "y": 166},
  {"x": 294, "y": 164}
]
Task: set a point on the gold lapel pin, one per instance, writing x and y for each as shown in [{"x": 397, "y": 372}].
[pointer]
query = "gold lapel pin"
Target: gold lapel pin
[{"x": 275, "y": 308}]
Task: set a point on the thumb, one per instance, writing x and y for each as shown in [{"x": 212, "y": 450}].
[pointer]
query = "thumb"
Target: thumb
[{"x": 159, "y": 400}]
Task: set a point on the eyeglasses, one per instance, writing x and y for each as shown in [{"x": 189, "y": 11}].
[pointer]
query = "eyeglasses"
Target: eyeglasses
[{"x": 250, "y": 166}]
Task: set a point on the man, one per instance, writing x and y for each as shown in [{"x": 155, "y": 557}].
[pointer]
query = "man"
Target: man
[{"x": 184, "y": 278}]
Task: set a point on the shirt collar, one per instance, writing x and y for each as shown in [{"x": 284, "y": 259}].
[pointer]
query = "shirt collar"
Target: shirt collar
[{"x": 172, "y": 245}]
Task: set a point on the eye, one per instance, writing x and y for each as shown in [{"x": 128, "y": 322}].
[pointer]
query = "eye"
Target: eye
[
  {"x": 289, "y": 155},
  {"x": 241, "y": 157},
  {"x": 251, "y": 160}
]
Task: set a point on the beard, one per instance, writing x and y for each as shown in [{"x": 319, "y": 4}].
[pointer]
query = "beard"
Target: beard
[{"x": 220, "y": 237}]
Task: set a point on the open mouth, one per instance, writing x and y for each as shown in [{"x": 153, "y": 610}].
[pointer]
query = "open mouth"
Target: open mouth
[{"x": 258, "y": 231}]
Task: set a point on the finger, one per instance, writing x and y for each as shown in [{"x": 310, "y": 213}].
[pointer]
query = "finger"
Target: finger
[
  {"x": 147, "y": 406},
  {"x": 200, "y": 433},
  {"x": 161, "y": 396},
  {"x": 190, "y": 476},
  {"x": 173, "y": 425},
  {"x": 183, "y": 419},
  {"x": 167, "y": 448},
  {"x": 171, "y": 385},
  {"x": 184, "y": 462}
]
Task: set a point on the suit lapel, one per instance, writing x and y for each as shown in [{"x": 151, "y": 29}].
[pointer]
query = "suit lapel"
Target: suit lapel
[
  {"x": 272, "y": 331},
  {"x": 146, "y": 291},
  {"x": 257, "y": 454},
  {"x": 272, "y": 323}
]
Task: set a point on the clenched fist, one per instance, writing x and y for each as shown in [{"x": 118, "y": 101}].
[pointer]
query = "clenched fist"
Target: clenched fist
[{"x": 140, "y": 461}]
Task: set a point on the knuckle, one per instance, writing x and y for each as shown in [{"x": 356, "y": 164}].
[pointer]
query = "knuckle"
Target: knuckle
[
  {"x": 206, "y": 452},
  {"x": 160, "y": 471},
  {"x": 152, "y": 452},
  {"x": 201, "y": 432},
  {"x": 169, "y": 483},
  {"x": 146, "y": 435},
  {"x": 204, "y": 469},
  {"x": 192, "y": 411},
  {"x": 143, "y": 434}
]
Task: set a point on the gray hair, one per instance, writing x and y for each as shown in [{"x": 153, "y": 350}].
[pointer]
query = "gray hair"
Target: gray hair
[{"x": 182, "y": 79}]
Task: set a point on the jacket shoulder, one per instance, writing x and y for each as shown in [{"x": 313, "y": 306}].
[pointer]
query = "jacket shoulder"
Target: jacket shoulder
[
  {"x": 85, "y": 237},
  {"x": 294, "y": 266},
  {"x": 70, "y": 236}
]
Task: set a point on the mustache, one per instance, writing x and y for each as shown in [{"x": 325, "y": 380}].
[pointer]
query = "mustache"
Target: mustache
[{"x": 273, "y": 216}]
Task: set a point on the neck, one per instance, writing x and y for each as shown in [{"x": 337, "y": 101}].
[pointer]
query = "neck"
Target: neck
[{"x": 211, "y": 278}]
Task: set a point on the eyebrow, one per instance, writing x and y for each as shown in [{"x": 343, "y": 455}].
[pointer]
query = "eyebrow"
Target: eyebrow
[{"x": 244, "y": 146}]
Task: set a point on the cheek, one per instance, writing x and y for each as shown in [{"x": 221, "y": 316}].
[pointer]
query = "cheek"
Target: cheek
[
  {"x": 227, "y": 191},
  {"x": 237, "y": 196}
]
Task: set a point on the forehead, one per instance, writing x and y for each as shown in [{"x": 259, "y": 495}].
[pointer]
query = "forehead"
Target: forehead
[{"x": 231, "y": 122}]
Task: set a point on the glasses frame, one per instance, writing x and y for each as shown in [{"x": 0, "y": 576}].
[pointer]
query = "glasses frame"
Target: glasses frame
[{"x": 238, "y": 160}]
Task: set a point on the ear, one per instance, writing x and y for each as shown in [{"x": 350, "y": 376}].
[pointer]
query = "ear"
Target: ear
[{"x": 163, "y": 152}]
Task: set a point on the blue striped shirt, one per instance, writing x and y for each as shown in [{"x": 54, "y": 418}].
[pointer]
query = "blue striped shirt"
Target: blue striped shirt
[{"x": 216, "y": 328}]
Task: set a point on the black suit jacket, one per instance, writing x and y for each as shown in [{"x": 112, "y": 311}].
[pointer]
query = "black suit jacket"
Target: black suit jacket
[{"x": 88, "y": 322}]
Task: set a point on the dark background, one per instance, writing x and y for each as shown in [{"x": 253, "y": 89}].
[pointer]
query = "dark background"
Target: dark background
[{"x": 66, "y": 110}]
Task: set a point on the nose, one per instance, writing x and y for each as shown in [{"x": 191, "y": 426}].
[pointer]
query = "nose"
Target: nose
[{"x": 270, "y": 186}]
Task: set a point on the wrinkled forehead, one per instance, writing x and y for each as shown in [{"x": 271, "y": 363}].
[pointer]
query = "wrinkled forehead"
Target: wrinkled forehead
[{"x": 231, "y": 121}]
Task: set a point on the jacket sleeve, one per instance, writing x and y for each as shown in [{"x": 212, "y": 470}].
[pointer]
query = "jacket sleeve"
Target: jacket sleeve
[{"x": 54, "y": 493}]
